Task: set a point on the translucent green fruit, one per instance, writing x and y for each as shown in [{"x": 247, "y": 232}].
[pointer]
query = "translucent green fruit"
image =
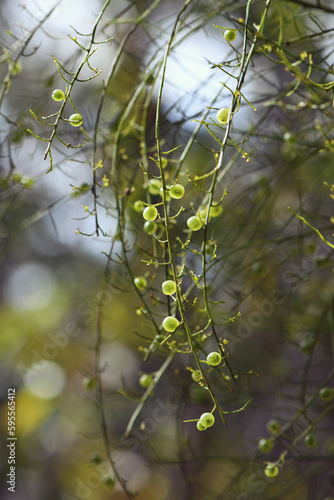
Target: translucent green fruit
[
  {"x": 265, "y": 445},
  {"x": 215, "y": 211},
  {"x": 140, "y": 283},
  {"x": 271, "y": 470},
  {"x": 222, "y": 115},
  {"x": 138, "y": 206},
  {"x": 196, "y": 375},
  {"x": 58, "y": 95},
  {"x": 170, "y": 324},
  {"x": 164, "y": 163},
  {"x": 89, "y": 383},
  {"x": 207, "y": 420},
  {"x": 326, "y": 394},
  {"x": 194, "y": 223},
  {"x": 150, "y": 213},
  {"x": 154, "y": 186},
  {"x": 150, "y": 227},
  {"x": 168, "y": 287},
  {"x": 273, "y": 426},
  {"x": 310, "y": 441},
  {"x": 145, "y": 380},
  {"x": 95, "y": 458},
  {"x": 213, "y": 359},
  {"x": 177, "y": 191},
  {"x": 75, "y": 120},
  {"x": 230, "y": 35},
  {"x": 200, "y": 427},
  {"x": 108, "y": 481}
]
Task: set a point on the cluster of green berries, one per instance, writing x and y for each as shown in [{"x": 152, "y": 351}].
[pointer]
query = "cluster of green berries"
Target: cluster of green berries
[
  {"x": 155, "y": 187},
  {"x": 215, "y": 211},
  {"x": 265, "y": 445},
  {"x": 96, "y": 459},
  {"x": 76, "y": 119},
  {"x": 150, "y": 213},
  {"x": 206, "y": 420},
  {"x": 170, "y": 323}
]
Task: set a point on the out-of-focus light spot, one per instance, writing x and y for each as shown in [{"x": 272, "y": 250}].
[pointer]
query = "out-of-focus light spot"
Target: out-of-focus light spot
[
  {"x": 30, "y": 286},
  {"x": 118, "y": 363},
  {"x": 45, "y": 379},
  {"x": 57, "y": 435},
  {"x": 133, "y": 466}
]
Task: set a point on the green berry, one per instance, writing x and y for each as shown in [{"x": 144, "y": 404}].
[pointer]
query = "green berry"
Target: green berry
[
  {"x": 207, "y": 419},
  {"x": 215, "y": 211},
  {"x": 194, "y": 223},
  {"x": 145, "y": 380},
  {"x": 75, "y": 120},
  {"x": 168, "y": 287},
  {"x": 164, "y": 163},
  {"x": 202, "y": 213},
  {"x": 95, "y": 458},
  {"x": 326, "y": 394},
  {"x": 108, "y": 481},
  {"x": 213, "y": 359},
  {"x": 170, "y": 324},
  {"x": 177, "y": 191},
  {"x": 154, "y": 186},
  {"x": 230, "y": 35},
  {"x": 196, "y": 375},
  {"x": 58, "y": 95},
  {"x": 167, "y": 196},
  {"x": 310, "y": 441},
  {"x": 89, "y": 383},
  {"x": 273, "y": 426},
  {"x": 200, "y": 426},
  {"x": 15, "y": 67},
  {"x": 271, "y": 470},
  {"x": 140, "y": 283},
  {"x": 150, "y": 213},
  {"x": 17, "y": 178},
  {"x": 307, "y": 346},
  {"x": 138, "y": 206},
  {"x": 28, "y": 183},
  {"x": 150, "y": 227},
  {"x": 289, "y": 137},
  {"x": 222, "y": 115},
  {"x": 265, "y": 445}
]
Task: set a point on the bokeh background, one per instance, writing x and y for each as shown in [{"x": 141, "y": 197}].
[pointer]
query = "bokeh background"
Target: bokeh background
[{"x": 60, "y": 287}]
